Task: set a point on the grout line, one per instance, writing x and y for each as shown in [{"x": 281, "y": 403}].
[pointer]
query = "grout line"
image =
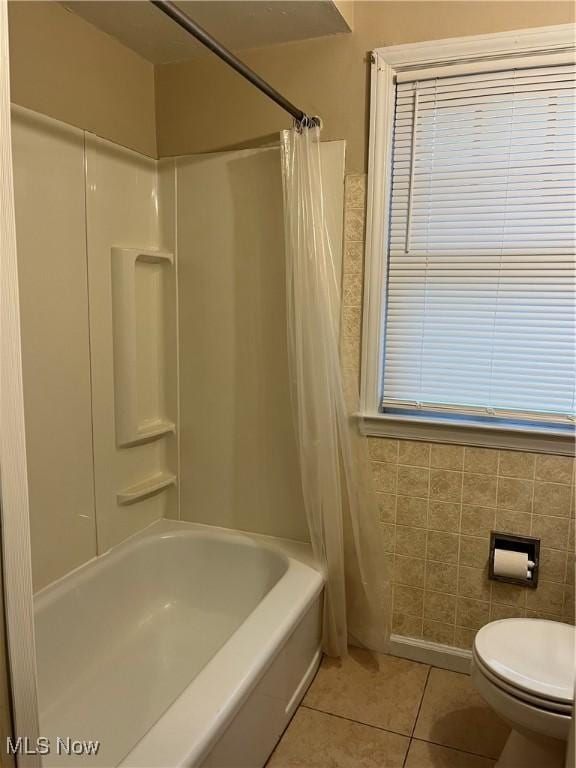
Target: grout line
[
  {"x": 455, "y": 749},
  {"x": 410, "y": 737},
  {"x": 407, "y": 753},
  {"x": 459, "y": 552},
  {"x": 421, "y": 701},
  {"x": 358, "y": 722}
]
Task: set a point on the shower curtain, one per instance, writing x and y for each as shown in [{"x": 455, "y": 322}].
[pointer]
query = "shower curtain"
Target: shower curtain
[{"x": 340, "y": 508}]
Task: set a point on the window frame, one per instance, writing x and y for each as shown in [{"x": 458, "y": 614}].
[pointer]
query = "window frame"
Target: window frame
[{"x": 542, "y": 45}]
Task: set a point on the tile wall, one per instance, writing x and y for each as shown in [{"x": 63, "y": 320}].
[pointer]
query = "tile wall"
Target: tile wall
[{"x": 438, "y": 504}]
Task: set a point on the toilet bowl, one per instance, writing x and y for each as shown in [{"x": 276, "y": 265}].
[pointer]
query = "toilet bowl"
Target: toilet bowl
[{"x": 525, "y": 669}]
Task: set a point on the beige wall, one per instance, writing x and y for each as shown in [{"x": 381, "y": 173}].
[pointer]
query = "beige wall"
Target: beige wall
[
  {"x": 203, "y": 106},
  {"x": 65, "y": 68}
]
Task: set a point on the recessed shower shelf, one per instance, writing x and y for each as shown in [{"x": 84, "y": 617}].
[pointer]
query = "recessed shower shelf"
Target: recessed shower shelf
[
  {"x": 139, "y": 307},
  {"x": 148, "y": 487}
]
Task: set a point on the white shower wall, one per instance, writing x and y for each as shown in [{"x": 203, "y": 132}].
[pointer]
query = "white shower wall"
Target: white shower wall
[
  {"x": 239, "y": 464},
  {"x": 51, "y": 239},
  {"x": 222, "y": 345},
  {"x": 77, "y": 196}
]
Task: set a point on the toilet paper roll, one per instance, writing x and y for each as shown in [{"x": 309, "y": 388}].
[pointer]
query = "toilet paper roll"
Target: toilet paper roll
[{"x": 511, "y": 564}]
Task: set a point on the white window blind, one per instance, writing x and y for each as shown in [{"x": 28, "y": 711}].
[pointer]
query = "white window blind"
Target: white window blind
[{"x": 480, "y": 288}]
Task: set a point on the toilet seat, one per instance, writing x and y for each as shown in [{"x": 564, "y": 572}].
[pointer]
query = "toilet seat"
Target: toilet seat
[
  {"x": 535, "y": 701},
  {"x": 531, "y": 660}
]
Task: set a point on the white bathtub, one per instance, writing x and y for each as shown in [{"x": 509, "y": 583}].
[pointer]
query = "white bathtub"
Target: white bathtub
[{"x": 185, "y": 646}]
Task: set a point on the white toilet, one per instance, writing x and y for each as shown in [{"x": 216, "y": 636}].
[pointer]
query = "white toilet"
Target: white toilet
[{"x": 525, "y": 669}]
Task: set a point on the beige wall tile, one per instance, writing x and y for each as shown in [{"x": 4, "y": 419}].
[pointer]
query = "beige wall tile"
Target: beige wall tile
[
  {"x": 384, "y": 477},
  {"x": 552, "y": 531},
  {"x": 409, "y": 571},
  {"x": 509, "y": 594},
  {"x": 445, "y": 485},
  {"x": 482, "y": 461},
  {"x": 436, "y": 632},
  {"x": 351, "y": 322},
  {"x": 350, "y": 357},
  {"x": 412, "y": 511},
  {"x": 552, "y": 499},
  {"x": 408, "y": 600},
  {"x": 355, "y": 190},
  {"x": 473, "y": 552},
  {"x": 352, "y": 289},
  {"x": 386, "y": 507},
  {"x": 354, "y": 221},
  {"x": 464, "y": 638},
  {"x": 413, "y": 481},
  {"x": 444, "y": 516},
  {"x": 472, "y": 614},
  {"x": 499, "y": 611},
  {"x": 508, "y": 521},
  {"x": 407, "y": 626},
  {"x": 410, "y": 541},
  {"x": 568, "y": 609},
  {"x": 414, "y": 453},
  {"x": 478, "y": 521},
  {"x": 440, "y": 607},
  {"x": 443, "y": 547},
  {"x": 383, "y": 449},
  {"x": 479, "y": 490},
  {"x": 441, "y": 577},
  {"x": 388, "y": 536},
  {"x": 552, "y": 565},
  {"x": 515, "y": 494},
  {"x": 516, "y": 464},
  {"x": 353, "y": 256},
  {"x": 547, "y": 597},
  {"x": 554, "y": 469},
  {"x": 474, "y": 583},
  {"x": 447, "y": 456},
  {"x": 541, "y": 615},
  {"x": 570, "y": 569}
]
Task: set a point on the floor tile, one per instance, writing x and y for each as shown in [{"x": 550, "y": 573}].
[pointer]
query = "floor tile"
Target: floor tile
[
  {"x": 317, "y": 740},
  {"x": 373, "y": 689},
  {"x": 424, "y": 755},
  {"x": 454, "y": 715}
]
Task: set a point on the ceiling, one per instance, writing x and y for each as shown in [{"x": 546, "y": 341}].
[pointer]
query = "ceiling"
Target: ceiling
[{"x": 237, "y": 24}]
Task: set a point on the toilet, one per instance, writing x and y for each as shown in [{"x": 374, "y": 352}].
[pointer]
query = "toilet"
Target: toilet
[{"x": 525, "y": 669}]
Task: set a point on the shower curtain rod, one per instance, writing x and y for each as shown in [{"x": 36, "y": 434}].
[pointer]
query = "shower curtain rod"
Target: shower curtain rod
[{"x": 206, "y": 39}]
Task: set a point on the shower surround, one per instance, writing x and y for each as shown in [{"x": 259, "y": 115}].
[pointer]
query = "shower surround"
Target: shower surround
[{"x": 156, "y": 395}]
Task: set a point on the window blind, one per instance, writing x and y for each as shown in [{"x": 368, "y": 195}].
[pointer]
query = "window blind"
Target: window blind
[{"x": 480, "y": 286}]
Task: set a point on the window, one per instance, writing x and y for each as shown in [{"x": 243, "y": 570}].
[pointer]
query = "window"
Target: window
[{"x": 477, "y": 303}]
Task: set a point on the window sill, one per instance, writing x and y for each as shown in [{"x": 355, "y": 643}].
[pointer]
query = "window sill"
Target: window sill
[{"x": 462, "y": 432}]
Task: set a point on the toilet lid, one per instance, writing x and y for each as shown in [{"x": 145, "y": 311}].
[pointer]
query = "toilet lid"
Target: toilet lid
[{"x": 534, "y": 655}]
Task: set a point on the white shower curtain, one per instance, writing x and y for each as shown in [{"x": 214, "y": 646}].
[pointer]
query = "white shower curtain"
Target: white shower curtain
[{"x": 340, "y": 507}]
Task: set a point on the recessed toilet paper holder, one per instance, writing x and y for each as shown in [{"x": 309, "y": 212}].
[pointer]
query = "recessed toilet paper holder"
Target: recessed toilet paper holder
[{"x": 527, "y": 545}]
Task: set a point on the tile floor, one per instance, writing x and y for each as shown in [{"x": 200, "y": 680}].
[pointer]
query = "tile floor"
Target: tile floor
[{"x": 375, "y": 711}]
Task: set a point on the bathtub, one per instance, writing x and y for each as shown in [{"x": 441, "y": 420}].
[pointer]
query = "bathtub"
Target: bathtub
[{"x": 185, "y": 646}]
